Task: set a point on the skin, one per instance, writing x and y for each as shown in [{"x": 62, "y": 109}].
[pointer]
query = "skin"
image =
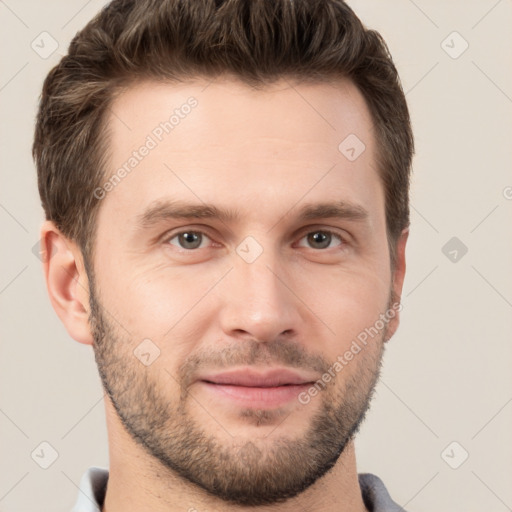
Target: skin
[{"x": 264, "y": 154}]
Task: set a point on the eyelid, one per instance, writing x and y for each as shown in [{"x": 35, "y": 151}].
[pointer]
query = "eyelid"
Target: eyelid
[{"x": 339, "y": 232}]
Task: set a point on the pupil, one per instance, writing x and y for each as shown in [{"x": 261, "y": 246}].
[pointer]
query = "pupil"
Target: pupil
[
  {"x": 322, "y": 239},
  {"x": 190, "y": 239}
]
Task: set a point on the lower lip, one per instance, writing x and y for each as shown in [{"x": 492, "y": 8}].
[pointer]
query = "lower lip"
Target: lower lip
[{"x": 257, "y": 397}]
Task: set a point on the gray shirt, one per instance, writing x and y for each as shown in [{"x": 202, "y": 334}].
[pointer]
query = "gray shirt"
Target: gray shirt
[{"x": 94, "y": 485}]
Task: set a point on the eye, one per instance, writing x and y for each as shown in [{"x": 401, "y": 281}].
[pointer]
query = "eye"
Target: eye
[
  {"x": 194, "y": 239},
  {"x": 188, "y": 240},
  {"x": 322, "y": 239}
]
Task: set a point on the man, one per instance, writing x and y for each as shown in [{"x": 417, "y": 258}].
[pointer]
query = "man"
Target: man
[{"x": 226, "y": 193}]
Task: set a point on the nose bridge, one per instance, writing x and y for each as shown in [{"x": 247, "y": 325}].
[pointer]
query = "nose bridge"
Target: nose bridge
[
  {"x": 261, "y": 279},
  {"x": 257, "y": 300}
]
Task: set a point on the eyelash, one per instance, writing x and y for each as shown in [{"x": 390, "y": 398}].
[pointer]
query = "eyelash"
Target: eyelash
[{"x": 334, "y": 234}]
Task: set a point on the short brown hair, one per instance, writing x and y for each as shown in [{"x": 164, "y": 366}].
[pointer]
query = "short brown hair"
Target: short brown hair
[{"x": 256, "y": 41}]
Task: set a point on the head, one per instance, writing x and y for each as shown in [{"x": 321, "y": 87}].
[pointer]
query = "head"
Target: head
[{"x": 226, "y": 188}]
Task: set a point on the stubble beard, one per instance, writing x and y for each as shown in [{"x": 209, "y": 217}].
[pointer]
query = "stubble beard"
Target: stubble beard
[{"x": 248, "y": 472}]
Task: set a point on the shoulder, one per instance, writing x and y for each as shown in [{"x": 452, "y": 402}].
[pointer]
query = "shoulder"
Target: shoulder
[
  {"x": 375, "y": 495},
  {"x": 91, "y": 494}
]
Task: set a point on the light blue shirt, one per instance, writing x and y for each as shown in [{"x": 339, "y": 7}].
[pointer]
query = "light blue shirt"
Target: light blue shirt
[{"x": 94, "y": 485}]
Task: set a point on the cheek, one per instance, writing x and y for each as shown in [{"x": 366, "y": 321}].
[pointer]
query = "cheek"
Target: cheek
[
  {"x": 349, "y": 303},
  {"x": 157, "y": 302}
]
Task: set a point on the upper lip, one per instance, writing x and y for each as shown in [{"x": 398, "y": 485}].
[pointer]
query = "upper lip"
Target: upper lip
[{"x": 264, "y": 378}]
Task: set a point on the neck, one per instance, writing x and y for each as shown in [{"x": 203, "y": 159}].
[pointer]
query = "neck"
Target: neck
[{"x": 137, "y": 482}]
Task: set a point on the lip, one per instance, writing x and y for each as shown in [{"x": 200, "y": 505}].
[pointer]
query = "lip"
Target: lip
[
  {"x": 262, "y": 379},
  {"x": 256, "y": 389}
]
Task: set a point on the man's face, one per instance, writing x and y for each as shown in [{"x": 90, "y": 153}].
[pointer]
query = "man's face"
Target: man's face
[{"x": 211, "y": 331}]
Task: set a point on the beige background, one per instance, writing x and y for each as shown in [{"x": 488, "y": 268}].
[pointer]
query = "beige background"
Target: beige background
[{"x": 447, "y": 372}]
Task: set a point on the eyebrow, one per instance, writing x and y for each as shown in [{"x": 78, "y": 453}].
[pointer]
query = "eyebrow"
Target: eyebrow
[{"x": 160, "y": 211}]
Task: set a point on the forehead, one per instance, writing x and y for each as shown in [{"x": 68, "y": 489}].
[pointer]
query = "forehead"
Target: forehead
[
  {"x": 223, "y": 142},
  {"x": 307, "y": 112}
]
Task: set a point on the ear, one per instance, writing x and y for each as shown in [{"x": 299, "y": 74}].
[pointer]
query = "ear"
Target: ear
[
  {"x": 398, "y": 275},
  {"x": 66, "y": 282}
]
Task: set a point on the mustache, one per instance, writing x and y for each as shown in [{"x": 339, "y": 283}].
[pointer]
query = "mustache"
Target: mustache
[{"x": 252, "y": 353}]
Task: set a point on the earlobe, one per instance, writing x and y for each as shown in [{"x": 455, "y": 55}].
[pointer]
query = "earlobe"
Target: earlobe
[
  {"x": 66, "y": 282},
  {"x": 398, "y": 282}
]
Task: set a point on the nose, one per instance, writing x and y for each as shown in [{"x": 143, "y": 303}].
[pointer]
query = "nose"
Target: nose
[{"x": 258, "y": 301}]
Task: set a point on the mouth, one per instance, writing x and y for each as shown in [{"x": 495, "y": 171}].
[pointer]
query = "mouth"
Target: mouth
[{"x": 253, "y": 389}]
